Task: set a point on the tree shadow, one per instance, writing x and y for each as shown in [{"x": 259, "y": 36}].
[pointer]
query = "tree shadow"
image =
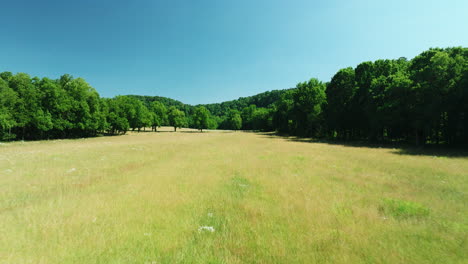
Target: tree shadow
[
  {"x": 400, "y": 148},
  {"x": 435, "y": 150},
  {"x": 110, "y": 135},
  {"x": 209, "y": 131},
  {"x": 142, "y": 131},
  {"x": 149, "y": 131}
]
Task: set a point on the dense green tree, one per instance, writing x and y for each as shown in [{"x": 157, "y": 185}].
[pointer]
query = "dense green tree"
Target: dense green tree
[
  {"x": 436, "y": 74},
  {"x": 266, "y": 99},
  {"x": 117, "y": 116},
  {"x": 282, "y": 113},
  {"x": 364, "y": 74},
  {"x": 262, "y": 119},
  {"x": 457, "y": 123},
  {"x": 57, "y": 102},
  {"x": 201, "y": 118},
  {"x": 159, "y": 116},
  {"x": 26, "y": 107},
  {"x": 340, "y": 92},
  {"x": 142, "y": 117},
  {"x": 247, "y": 116},
  {"x": 214, "y": 121},
  {"x": 309, "y": 99},
  {"x": 8, "y": 100},
  {"x": 134, "y": 111},
  {"x": 80, "y": 107},
  {"x": 233, "y": 120},
  {"x": 176, "y": 117},
  {"x": 396, "y": 111}
]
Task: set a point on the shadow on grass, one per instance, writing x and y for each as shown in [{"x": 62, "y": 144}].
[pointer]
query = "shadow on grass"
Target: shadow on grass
[
  {"x": 196, "y": 132},
  {"x": 144, "y": 131},
  {"x": 108, "y": 135},
  {"x": 208, "y": 131},
  {"x": 399, "y": 148},
  {"x": 149, "y": 131}
]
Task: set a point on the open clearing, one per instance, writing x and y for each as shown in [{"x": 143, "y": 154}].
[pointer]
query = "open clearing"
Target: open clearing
[{"x": 228, "y": 197}]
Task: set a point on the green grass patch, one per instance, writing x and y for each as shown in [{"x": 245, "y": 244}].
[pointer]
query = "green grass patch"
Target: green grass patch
[{"x": 403, "y": 209}]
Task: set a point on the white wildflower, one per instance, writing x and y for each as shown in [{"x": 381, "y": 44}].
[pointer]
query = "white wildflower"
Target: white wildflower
[
  {"x": 71, "y": 170},
  {"x": 206, "y": 228},
  {"x": 210, "y": 214}
]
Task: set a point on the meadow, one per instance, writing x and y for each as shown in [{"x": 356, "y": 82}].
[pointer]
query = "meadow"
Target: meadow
[{"x": 228, "y": 197}]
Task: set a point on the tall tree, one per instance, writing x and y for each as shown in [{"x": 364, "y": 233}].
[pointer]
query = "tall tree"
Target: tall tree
[
  {"x": 234, "y": 120},
  {"x": 364, "y": 74},
  {"x": 262, "y": 119},
  {"x": 160, "y": 114},
  {"x": 309, "y": 99},
  {"x": 8, "y": 100},
  {"x": 340, "y": 92},
  {"x": 434, "y": 75},
  {"x": 201, "y": 118},
  {"x": 176, "y": 118},
  {"x": 119, "y": 113},
  {"x": 247, "y": 116},
  {"x": 282, "y": 116}
]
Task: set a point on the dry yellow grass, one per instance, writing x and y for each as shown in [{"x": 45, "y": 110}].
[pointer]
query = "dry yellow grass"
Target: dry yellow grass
[{"x": 142, "y": 197}]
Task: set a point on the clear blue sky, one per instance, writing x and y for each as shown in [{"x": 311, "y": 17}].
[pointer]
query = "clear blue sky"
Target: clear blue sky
[{"x": 211, "y": 51}]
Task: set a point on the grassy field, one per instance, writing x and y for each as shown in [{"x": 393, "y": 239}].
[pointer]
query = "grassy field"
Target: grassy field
[{"x": 228, "y": 197}]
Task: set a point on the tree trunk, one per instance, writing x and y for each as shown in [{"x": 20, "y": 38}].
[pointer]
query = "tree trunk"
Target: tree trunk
[
  {"x": 416, "y": 134},
  {"x": 420, "y": 138}
]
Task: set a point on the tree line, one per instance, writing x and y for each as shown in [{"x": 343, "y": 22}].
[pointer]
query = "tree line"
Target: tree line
[{"x": 423, "y": 100}]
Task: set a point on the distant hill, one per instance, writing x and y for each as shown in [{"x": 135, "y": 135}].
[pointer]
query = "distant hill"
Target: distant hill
[
  {"x": 168, "y": 102},
  {"x": 264, "y": 99}
]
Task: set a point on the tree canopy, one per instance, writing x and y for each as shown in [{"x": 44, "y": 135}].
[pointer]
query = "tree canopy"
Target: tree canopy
[
  {"x": 176, "y": 118},
  {"x": 201, "y": 118}
]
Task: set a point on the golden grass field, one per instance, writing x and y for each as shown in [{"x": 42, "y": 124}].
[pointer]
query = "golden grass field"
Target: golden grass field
[{"x": 228, "y": 197}]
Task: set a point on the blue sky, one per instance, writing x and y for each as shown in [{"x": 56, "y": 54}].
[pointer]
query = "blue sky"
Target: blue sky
[{"x": 211, "y": 51}]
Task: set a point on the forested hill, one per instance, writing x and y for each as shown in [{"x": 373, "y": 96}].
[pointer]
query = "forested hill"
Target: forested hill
[
  {"x": 422, "y": 100},
  {"x": 168, "y": 102},
  {"x": 265, "y": 99}
]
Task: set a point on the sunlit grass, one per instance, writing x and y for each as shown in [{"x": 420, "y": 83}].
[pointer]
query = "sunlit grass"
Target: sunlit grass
[{"x": 228, "y": 197}]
